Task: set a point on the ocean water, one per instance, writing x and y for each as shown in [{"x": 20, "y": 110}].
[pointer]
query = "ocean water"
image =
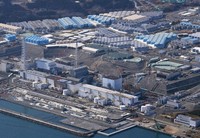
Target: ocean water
[{"x": 11, "y": 127}]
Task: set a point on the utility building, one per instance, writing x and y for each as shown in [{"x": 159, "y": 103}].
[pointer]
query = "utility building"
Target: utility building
[
  {"x": 44, "y": 64},
  {"x": 79, "y": 72},
  {"x": 112, "y": 82}
]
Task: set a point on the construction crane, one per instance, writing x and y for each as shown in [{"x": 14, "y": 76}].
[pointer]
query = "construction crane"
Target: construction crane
[
  {"x": 76, "y": 55},
  {"x": 157, "y": 125}
]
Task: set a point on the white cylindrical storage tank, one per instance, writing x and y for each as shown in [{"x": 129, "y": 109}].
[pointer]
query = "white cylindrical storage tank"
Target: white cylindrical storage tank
[
  {"x": 33, "y": 84},
  {"x": 66, "y": 92},
  {"x": 143, "y": 108},
  {"x": 135, "y": 99},
  {"x": 69, "y": 82},
  {"x": 96, "y": 99},
  {"x": 122, "y": 107},
  {"x": 148, "y": 107}
]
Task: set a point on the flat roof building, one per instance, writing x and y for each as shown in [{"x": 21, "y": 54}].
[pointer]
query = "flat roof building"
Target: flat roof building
[
  {"x": 117, "y": 98},
  {"x": 10, "y": 28}
]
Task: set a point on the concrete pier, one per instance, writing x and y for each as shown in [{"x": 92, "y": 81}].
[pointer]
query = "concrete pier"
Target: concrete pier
[
  {"x": 38, "y": 121},
  {"x": 115, "y": 132}
]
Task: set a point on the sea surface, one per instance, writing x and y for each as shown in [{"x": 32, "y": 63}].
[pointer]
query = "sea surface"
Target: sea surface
[{"x": 12, "y": 127}]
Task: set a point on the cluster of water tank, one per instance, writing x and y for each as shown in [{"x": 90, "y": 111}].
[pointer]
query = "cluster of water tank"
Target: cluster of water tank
[
  {"x": 119, "y": 42},
  {"x": 10, "y": 37},
  {"x": 105, "y": 20},
  {"x": 37, "y": 40},
  {"x": 74, "y": 22}
]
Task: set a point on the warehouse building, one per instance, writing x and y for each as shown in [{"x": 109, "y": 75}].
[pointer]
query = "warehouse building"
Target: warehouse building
[
  {"x": 117, "y": 98},
  {"x": 187, "y": 120}
]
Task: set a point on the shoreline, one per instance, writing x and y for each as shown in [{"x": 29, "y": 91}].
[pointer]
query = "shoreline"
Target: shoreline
[
  {"x": 62, "y": 128},
  {"x": 48, "y": 124}
]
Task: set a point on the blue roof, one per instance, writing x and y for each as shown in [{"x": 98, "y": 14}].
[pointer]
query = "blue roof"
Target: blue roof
[{"x": 159, "y": 40}]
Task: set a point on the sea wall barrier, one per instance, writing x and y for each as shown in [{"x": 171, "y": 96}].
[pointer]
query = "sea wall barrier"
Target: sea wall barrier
[{"x": 38, "y": 121}]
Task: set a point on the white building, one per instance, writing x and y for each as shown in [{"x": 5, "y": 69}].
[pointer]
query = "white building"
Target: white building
[
  {"x": 173, "y": 103},
  {"x": 147, "y": 109},
  {"x": 4, "y": 66},
  {"x": 10, "y": 28},
  {"x": 33, "y": 75},
  {"x": 117, "y": 98},
  {"x": 111, "y": 82},
  {"x": 45, "y": 64},
  {"x": 187, "y": 120},
  {"x": 195, "y": 50}
]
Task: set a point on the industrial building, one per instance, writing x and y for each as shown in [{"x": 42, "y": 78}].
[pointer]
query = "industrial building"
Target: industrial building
[
  {"x": 112, "y": 82},
  {"x": 117, "y": 98},
  {"x": 5, "y": 66},
  {"x": 118, "y": 56},
  {"x": 33, "y": 75},
  {"x": 10, "y": 51},
  {"x": 45, "y": 65},
  {"x": 10, "y": 28},
  {"x": 40, "y": 79},
  {"x": 169, "y": 84},
  {"x": 158, "y": 40},
  {"x": 147, "y": 109},
  {"x": 79, "y": 72},
  {"x": 173, "y": 104},
  {"x": 187, "y": 120}
]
